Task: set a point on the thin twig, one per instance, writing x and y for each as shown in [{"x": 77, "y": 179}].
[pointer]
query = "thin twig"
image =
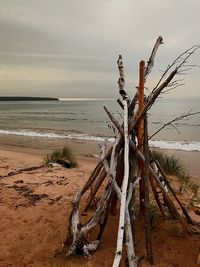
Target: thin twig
[{"x": 181, "y": 117}]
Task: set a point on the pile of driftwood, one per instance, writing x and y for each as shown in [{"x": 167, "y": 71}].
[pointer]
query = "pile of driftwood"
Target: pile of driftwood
[{"x": 125, "y": 167}]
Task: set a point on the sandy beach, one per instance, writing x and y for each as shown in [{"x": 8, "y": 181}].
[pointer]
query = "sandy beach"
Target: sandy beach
[{"x": 35, "y": 206}]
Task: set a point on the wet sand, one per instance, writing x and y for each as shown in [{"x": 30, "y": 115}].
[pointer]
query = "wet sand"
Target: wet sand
[{"x": 39, "y": 146}]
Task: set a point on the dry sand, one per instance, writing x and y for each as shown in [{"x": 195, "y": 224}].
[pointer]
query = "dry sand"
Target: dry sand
[{"x": 35, "y": 206}]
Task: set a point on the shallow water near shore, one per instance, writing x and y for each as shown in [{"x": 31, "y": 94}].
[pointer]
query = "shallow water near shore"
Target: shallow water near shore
[{"x": 86, "y": 120}]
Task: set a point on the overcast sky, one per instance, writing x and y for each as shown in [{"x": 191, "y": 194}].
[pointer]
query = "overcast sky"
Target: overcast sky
[{"x": 69, "y": 49}]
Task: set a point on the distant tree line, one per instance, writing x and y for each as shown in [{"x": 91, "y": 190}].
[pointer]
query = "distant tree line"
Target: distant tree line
[{"x": 27, "y": 98}]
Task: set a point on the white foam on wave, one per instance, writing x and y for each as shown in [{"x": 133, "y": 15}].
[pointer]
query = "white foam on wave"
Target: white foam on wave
[
  {"x": 180, "y": 145},
  {"x": 76, "y": 136},
  {"x": 30, "y": 133}
]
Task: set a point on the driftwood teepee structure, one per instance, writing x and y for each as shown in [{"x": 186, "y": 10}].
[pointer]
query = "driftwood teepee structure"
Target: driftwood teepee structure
[{"x": 128, "y": 164}]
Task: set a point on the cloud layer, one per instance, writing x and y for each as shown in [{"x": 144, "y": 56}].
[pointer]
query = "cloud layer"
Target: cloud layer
[{"x": 69, "y": 48}]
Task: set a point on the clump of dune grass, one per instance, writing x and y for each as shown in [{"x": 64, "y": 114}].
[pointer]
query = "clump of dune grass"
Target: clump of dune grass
[
  {"x": 64, "y": 153},
  {"x": 173, "y": 166}
]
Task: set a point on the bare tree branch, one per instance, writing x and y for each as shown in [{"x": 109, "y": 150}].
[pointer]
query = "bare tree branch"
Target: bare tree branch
[
  {"x": 183, "y": 116},
  {"x": 178, "y": 62},
  {"x": 150, "y": 62}
]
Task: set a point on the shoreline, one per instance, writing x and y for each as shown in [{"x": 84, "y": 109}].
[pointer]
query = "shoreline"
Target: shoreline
[{"x": 40, "y": 147}]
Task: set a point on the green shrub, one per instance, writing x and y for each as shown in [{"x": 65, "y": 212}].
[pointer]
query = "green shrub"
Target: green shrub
[{"x": 64, "y": 153}]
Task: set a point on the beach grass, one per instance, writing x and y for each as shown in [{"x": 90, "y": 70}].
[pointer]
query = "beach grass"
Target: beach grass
[
  {"x": 174, "y": 166},
  {"x": 171, "y": 165},
  {"x": 64, "y": 153}
]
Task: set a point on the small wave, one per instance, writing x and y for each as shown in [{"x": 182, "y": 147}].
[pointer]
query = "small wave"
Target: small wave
[
  {"x": 186, "y": 146},
  {"x": 30, "y": 133},
  {"x": 179, "y": 145},
  {"x": 77, "y": 136}
]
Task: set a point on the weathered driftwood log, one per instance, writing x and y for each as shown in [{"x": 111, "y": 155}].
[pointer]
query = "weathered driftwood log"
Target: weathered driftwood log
[
  {"x": 78, "y": 233},
  {"x": 156, "y": 196},
  {"x": 32, "y": 168},
  {"x": 120, "y": 103},
  {"x": 150, "y": 62},
  {"x": 92, "y": 177},
  {"x": 132, "y": 259},
  {"x": 99, "y": 180},
  {"x": 133, "y": 173},
  {"x": 95, "y": 173},
  {"x": 119, "y": 178},
  {"x": 187, "y": 216},
  {"x": 146, "y": 199},
  {"x": 112, "y": 170},
  {"x": 121, "y": 81},
  {"x": 120, "y": 235},
  {"x": 140, "y": 132},
  {"x": 124, "y": 207}
]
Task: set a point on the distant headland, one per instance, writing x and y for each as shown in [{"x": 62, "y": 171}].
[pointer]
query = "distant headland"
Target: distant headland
[{"x": 27, "y": 98}]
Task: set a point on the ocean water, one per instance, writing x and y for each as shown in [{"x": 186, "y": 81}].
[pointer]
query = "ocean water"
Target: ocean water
[{"x": 87, "y": 120}]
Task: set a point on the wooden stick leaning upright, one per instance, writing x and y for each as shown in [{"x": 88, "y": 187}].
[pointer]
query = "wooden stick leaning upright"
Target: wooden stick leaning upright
[
  {"x": 146, "y": 199},
  {"x": 120, "y": 236},
  {"x": 140, "y": 131}
]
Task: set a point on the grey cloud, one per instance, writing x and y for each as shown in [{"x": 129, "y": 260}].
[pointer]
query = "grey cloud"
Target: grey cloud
[{"x": 87, "y": 36}]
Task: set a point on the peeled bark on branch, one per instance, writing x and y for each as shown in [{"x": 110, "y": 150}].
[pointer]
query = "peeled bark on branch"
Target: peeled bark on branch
[
  {"x": 121, "y": 81},
  {"x": 118, "y": 253},
  {"x": 146, "y": 199},
  {"x": 92, "y": 177},
  {"x": 150, "y": 62},
  {"x": 187, "y": 216},
  {"x": 95, "y": 173},
  {"x": 132, "y": 260},
  {"x": 95, "y": 187}
]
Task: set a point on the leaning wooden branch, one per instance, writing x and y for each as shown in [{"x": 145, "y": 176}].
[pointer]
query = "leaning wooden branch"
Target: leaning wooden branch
[
  {"x": 187, "y": 216},
  {"x": 111, "y": 171},
  {"x": 150, "y": 62},
  {"x": 120, "y": 235},
  {"x": 146, "y": 200},
  {"x": 132, "y": 259},
  {"x": 183, "y": 116},
  {"x": 121, "y": 81},
  {"x": 95, "y": 187}
]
